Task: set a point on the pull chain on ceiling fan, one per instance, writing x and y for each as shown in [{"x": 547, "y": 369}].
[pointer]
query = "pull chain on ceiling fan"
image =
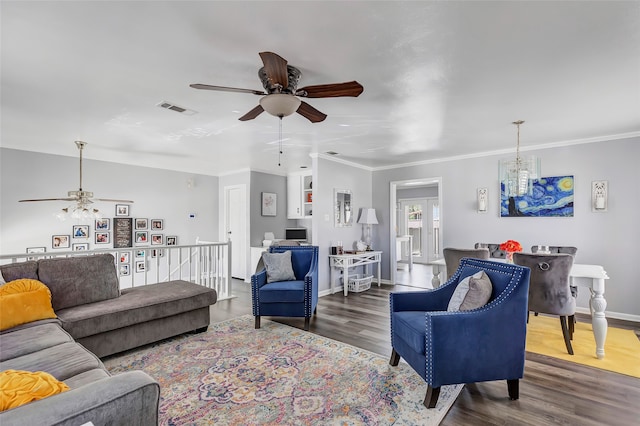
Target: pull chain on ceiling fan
[{"x": 83, "y": 199}]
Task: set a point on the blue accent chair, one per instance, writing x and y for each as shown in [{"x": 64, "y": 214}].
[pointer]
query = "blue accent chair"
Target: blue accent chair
[
  {"x": 297, "y": 298},
  {"x": 479, "y": 345}
]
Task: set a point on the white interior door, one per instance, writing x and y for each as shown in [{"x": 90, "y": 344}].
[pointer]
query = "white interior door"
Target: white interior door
[
  {"x": 432, "y": 226},
  {"x": 236, "y": 228}
]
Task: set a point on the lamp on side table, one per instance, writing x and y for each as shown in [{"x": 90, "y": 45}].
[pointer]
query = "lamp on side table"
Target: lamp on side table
[{"x": 367, "y": 218}]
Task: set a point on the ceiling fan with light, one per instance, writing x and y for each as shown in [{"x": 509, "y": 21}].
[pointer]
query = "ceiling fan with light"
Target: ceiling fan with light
[
  {"x": 282, "y": 96},
  {"x": 82, "y": 199}
]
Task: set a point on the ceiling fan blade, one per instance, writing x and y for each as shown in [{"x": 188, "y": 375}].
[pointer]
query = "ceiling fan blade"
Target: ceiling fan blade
[
  {"x": 113, "y": 200},
  {"x": 226, "y": 89},
  {"x": 310, "y": 113},
  {"x": 47, "y": 199},
  {"x": 276, "y": 68},
  {"x": 333, "y": 90},
  {"x": 252, "y": 114}
]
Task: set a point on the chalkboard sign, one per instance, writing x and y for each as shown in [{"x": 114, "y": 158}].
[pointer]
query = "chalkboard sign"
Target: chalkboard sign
[{"x": 122, "y": 232}]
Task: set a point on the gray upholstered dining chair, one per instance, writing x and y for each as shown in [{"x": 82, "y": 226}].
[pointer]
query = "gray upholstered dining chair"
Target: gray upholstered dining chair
[
  {"x": 560, "y": 249},
  {"x": 549, "y": 291},
  {"x": 452, "y": 257},
  {"x": 494, "y": 250}
]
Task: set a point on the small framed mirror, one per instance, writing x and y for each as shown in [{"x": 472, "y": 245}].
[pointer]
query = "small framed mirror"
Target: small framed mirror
[{"x": 343, "y": 211}]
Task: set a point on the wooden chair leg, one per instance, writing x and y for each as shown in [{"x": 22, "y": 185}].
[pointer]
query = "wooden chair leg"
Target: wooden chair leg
[
  {"x": 395, "y": 358},
  {"x": 513, "y": 387},
  {"x": 306, "y": 324},
  {"x": 565, "y": 333},
  {"x": 572, "y": 326},
  {"x": 257, "y": 321},
  {"x": 431, "y": 398}
]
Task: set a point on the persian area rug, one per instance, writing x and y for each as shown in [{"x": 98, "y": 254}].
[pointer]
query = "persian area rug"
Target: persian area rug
[
  {"x": 621, "y": 349},
  {"x": 234, "y": 375}
]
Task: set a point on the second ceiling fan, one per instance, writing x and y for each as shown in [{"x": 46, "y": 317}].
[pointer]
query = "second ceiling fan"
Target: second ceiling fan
[{"x": 282, "y": 96}]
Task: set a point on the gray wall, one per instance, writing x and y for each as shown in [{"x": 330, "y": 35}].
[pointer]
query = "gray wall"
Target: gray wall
[
  {"x": 157, "y": 194},
  {"x": 327, "y": 176},
  {"x": 265, "y": 182},
  {"x": 424, "y": 192},
  {"x": 607, "y": 239}
]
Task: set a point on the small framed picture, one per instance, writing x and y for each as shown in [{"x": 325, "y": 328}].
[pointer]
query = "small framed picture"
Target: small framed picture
[
  {"x": 157, "y": 253},
  {"x": 171, "y": 240},
  {"x": 269, "y": 203},
  {"x": 102, "y": 237},
  {"x": 124, "y": 269},
  {"x": 124, "y": 257},
  {"x": 80, "y": 231},
  {"x": 80, "y": 246},
  {"x": 157, "y": 224},
  {"x": 142, "y": 223},
  {"x": 60, "y": 241},
  {"x": 141, "y": 266},
  {"x": 102, "y": 224},
  {"x": 156, "y": 239},
  {"x": 35, "y": 250},
  {"x": 142, "y": 237},
  {"x": 122, "y": 209},
  {"x": 140, "y": 254}
]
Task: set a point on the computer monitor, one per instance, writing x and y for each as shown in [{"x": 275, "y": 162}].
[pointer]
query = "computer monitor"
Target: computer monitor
[{"x": 295, "y": 234}]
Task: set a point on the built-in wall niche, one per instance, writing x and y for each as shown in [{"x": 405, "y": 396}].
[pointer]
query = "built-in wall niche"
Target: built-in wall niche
[{"x": 299, "y": 195}]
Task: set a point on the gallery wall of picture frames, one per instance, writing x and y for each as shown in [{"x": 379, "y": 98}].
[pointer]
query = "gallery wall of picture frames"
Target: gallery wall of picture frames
[{"x": 119, "y": 232}]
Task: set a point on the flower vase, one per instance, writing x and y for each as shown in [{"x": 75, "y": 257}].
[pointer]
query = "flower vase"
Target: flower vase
[{"x": 509, "y": 257}]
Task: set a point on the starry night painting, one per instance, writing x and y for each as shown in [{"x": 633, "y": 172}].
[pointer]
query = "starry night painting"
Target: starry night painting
[{"x": 552, "y": 196}]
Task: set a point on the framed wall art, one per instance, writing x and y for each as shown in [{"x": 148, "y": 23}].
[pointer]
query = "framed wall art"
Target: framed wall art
[
  {"x": 142, "y": 237},
  {"x": 60, "y": 241},
  {"x": 141, "y": 266},
  {"x": 102, "y": 238},
  {"x": 551, "y": 197},
  {"x": 269, "y": 200},
  {"x": 156, "y": 239},
  {"x": 102, "y": 224},
  {"x": 80, "y": 231},
  {"x": 142, "y": 223},
  {"x": 157, "y": 224},
  {"x": 124, "y": 269},
  {"x": 171, "y": 240},
  {"x": 122, "y": 232},
  {"x": 80, "y": 246},
  {"x": 35, "y": 250},
  {"x": 122, "y": 210}
]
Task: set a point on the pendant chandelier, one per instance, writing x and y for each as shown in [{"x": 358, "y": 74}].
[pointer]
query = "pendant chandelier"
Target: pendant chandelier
[{"x": 518, "y": 175}]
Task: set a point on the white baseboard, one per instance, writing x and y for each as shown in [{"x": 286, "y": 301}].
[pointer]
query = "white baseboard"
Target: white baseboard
[
  {"x": 340, "y": 289},
  {"x": 609, "y": 314}
]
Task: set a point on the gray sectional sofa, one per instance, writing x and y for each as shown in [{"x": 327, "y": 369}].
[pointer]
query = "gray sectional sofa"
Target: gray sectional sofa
[{"x": 96, "y": 319}]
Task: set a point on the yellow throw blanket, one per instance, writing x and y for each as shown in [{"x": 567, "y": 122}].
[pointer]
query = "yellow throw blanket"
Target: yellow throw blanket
[{"x": 21, "y": 387}]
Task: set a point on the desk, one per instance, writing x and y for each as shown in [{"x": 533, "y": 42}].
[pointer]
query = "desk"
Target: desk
[
  {"x": 346, "y": 261},
  {"x": 595, "y": 284}
]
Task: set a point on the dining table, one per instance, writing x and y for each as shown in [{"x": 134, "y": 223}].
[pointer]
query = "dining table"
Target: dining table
[{"x": 594, "y": 279}]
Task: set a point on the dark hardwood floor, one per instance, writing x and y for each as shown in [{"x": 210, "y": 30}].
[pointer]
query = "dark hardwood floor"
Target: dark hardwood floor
[{"x": 552, "y": 391}]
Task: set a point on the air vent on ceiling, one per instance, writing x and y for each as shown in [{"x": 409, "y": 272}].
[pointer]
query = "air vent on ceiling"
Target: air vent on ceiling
[
  {"x": 331, "y": 153},
  {"x": 174, "y": 107}
]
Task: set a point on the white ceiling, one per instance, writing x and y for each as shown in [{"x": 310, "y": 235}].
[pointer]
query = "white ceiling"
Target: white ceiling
[{"x": 440, "y": 79}]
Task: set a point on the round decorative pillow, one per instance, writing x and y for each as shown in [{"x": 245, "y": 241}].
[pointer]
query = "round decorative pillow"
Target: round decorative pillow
[{"x": 22, "y": 301}]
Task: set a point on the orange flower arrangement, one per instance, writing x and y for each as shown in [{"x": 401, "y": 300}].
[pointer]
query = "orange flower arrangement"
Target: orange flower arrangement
[{"x": 511, "y": 246}]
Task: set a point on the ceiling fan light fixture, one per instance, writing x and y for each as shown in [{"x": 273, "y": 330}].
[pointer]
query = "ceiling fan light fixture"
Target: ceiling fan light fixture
[{"x": 279, "y": 104}]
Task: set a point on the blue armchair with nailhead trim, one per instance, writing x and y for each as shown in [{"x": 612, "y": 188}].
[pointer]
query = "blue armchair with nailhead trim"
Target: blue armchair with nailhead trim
[
  {"x": 293, "y": 298},
  {"x": 483, "y": 344}
]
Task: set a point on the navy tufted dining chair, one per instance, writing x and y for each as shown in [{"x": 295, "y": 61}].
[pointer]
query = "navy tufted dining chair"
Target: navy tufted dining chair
[
  {"x": 294, "y": 298},
  {"x": 478, "y": 345}
]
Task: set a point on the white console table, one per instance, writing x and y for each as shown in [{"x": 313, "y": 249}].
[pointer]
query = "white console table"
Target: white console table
[
  {"x": 346, "y": 261},
  {"x": 597, "y": 304}
]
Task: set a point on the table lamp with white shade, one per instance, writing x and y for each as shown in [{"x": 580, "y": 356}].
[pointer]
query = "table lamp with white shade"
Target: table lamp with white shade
[{"x": 368, "y": 218}]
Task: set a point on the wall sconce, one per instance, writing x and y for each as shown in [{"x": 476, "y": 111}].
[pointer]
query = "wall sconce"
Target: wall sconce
[
  {"x": 599, "y": 195},
  {"x": 482, "y": 200}
]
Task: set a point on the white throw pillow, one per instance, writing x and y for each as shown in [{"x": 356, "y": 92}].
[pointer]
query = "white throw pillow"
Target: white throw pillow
[
  {"x": 2, "y": 281},
  {"x": 462, "y": 291}
]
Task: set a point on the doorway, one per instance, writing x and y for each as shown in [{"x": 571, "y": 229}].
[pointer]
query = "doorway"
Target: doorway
[
  {"x": 415, "y": 211},
  {"x": 235, "y": 227}
]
